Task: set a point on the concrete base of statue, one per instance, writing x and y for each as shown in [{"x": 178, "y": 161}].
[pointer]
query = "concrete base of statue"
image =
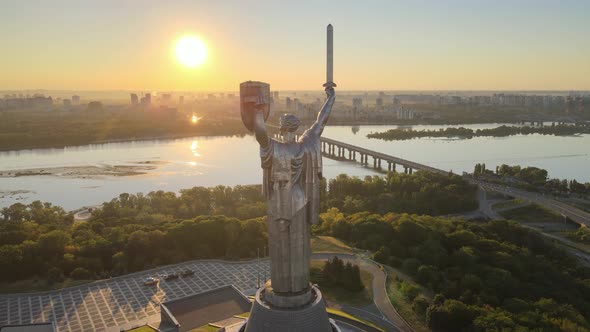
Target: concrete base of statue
[{"x": 296, "y": 313}]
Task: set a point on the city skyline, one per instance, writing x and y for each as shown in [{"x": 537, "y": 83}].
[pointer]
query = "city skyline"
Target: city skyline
[{"x": 427, "y": 46}]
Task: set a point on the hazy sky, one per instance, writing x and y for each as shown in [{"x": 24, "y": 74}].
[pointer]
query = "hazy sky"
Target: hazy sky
[{"x": 379, "y": 45}]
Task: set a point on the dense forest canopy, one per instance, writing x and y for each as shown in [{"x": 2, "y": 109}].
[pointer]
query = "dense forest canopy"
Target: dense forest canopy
[
  {"x": 487, "y": 275},
  {"x": 494, "y": 276},
  {"x": 533, "y": 178},
  {"x": 57, "y": 128},
  {"x": 134, "y": 232},
  {"x": 421, "y": 193}
]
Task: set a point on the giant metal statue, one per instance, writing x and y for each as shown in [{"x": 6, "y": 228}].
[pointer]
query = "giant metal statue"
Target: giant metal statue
[{"x": 292, "y": 172}]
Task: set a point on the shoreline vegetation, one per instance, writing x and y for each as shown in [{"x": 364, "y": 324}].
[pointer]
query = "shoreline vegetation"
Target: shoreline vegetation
[
  {"x": 57, "y": 129},
  {"x": 462, "y": 275},
  {"x": 27, "y": 130},
  {"x": 44, "y": 243},
  {"x": 467, "y": 133}
]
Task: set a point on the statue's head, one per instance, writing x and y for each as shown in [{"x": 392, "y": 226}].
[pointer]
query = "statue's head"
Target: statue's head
[{"x": 288, "y": 125}]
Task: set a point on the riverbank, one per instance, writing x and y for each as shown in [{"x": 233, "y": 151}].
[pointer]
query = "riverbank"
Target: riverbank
[
  {"x": 86, "y": 172},
  {"x": 467, "y": 133},
  {"x": 42, "y": 146}
]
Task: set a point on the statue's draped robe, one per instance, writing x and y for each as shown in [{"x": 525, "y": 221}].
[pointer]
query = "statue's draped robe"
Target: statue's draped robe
[{"x": 291, "y": 184}]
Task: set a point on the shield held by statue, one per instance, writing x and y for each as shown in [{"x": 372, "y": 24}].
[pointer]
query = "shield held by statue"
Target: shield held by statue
[{"x": 254, "y": 95}]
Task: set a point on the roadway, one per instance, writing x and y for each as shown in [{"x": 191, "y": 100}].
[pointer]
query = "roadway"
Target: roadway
[
  {"x": 380, "y": 297},
  {"x": 575, "y": 214}
]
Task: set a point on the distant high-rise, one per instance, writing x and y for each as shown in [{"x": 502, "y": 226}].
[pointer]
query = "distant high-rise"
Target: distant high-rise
[
  {"x": 288, "y": 103},
  {"x": 357, "y": 102},
  {"x": 134, "y": 99},
  {"x": 67, "y": 102},
  {"x": 379, "y": 102},
  {"x": 76, "y": 100},
  {"x": 276, "y": 95},
  {"x": 181, "y": 100},
  {"x": 146, "y": 100},
  {"x": 297, "y": 105},
  {"x": 570, "y": 104}
]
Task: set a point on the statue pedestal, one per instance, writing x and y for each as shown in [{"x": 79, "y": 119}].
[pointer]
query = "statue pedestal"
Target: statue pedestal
[
  {"x": 301, "y": 313},
  {"x": 286, "y": 301}
]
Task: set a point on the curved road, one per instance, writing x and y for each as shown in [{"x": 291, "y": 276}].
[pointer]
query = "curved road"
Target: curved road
[
  {"x": 379, "y": 288},
  {"x": 575, "y": 214}
]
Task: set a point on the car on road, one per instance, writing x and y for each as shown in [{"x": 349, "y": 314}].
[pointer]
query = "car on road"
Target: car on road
[
  {"x": 150, "y": 281},
  {"x": 171, "y": 276},
  {"x": 187, "y": 273}
]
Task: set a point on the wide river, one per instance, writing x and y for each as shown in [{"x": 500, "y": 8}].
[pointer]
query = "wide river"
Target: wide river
[{"x": 210, "y": 161}]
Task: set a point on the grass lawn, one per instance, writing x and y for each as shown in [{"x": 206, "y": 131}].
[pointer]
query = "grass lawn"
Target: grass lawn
[
  {"x": 342, "y": 296},
  {"x": 38, "y": 285},
  {"x": 507, "y": 204},
  {"x": 329, "y": 244},
  {"x": 580, "y": 236},
  {"x": 403, "y": 307},
  {"x": 494, "y": 195},
  {"x": 532, "y": 214}
]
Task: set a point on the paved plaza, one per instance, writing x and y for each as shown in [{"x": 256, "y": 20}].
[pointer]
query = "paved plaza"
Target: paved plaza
[{"x": 125, "y": 301}]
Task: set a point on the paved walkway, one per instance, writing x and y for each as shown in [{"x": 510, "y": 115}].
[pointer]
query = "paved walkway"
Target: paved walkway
[
  {"x": 123, "y": 301},
  {"x": 380, "y": 296}
]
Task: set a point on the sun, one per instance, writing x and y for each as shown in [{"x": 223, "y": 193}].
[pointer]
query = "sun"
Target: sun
[{"x": 190, "y": 51}]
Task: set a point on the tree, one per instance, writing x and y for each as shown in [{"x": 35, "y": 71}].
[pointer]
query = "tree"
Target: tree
[
  {"x": 54, "y": 275},
  {"x": 420, "y": 305},
  {"x": 409, "y": 290},
  {"x": 80, "y": 273},
  {"x": 52, "y": 244}
]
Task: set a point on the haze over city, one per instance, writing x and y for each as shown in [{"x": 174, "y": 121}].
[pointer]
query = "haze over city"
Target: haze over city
[{"x": 381, "y": 45}]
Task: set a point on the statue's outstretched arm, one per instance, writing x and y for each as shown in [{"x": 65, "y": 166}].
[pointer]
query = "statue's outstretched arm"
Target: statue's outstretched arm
[
  {"x": 260, "y": 129},
  {"x": 318, "y": 127}
]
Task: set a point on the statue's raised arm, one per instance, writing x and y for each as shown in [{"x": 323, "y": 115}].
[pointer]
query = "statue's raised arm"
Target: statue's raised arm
[
  {"x": 317, "y": 128},
  {"x": 260, "y": 129},
  {"x": 255, "y": 108}
]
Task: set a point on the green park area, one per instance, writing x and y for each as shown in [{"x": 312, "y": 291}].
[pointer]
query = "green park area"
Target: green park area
[
  {"x": 468, "y": 276},
  {"x": 329, "y": 244},
  {"x": 408, "y": 298},
  {"x": 533, "y": 214},
  {"x": 508, "y": 204},
  {"x": 356, "y": 294}
]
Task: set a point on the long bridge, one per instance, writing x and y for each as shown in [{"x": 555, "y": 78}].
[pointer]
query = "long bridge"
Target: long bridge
[{"x": 334, "y": 149}]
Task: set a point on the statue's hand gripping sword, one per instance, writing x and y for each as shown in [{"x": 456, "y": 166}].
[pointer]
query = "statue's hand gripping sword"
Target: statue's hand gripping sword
[{"x": 330, "y": 59}]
